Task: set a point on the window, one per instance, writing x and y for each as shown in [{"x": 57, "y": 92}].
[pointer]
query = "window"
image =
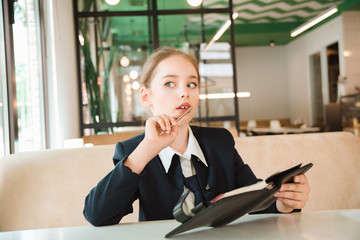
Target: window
[
  {"x": 28, "y": 74},
  {"x": 111, "y": 61},
  {"x": 24, "y": 82},
  {"x": 114, "y": 42}
]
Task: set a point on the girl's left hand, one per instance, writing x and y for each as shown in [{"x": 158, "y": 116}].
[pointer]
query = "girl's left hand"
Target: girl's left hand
[{"x": 293, "y": 195}]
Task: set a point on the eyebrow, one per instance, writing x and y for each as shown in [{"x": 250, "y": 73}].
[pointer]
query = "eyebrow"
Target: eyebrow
[
  {"x": 176, "y": 76},
  {"x": 170, "y": 76}
]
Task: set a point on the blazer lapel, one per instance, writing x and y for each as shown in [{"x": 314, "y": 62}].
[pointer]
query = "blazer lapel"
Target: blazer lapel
[
  {"x": 205, "y": 174},
  {"x": 201, "y": 171}
]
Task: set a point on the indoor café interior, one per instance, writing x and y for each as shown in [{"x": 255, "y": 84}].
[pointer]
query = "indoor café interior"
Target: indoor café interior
[{"x": 280, "y": 79}]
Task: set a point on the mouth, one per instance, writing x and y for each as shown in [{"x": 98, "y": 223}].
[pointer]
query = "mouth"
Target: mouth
[
  {"x": 184, "y": 113},
  {"x": 183, "y": 106},
  {"x": 182, "y": 110}
]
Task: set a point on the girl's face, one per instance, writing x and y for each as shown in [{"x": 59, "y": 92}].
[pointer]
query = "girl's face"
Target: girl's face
[{"x": 173, "y": 89}]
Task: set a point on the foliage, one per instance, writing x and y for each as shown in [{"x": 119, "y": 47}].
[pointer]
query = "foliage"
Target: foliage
[{"x": 96, "y": 83}]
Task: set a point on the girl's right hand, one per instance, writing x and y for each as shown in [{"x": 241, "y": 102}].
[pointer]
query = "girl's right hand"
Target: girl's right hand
[{"x": 160, "y": 131}]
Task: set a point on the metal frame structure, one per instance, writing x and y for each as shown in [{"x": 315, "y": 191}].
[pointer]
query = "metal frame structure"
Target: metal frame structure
[
  {"x": 8, "y": 15},
  {"x": 153, "y": 14}
]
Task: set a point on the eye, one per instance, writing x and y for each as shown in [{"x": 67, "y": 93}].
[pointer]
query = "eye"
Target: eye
[
  {"x": 169, "y": 84},
  {"x": 192, "y": 85}
]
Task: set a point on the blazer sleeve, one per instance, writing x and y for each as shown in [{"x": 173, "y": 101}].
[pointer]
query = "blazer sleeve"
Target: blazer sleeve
[
  {"x": 112, "y": 197},
  {"x": 243, "y": 174}
]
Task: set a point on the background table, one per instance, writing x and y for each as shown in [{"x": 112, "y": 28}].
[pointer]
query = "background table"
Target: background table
[
  {"x": 341, "y": 224},
  {"x": 284, "y": 130}
]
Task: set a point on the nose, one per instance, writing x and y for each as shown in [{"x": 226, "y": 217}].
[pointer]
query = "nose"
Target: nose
[{"x": 183, "y": 91}]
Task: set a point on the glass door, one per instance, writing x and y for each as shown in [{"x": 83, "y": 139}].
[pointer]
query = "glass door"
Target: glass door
[
  {"x": 316, "y": 90},
  {"x": 332, "y": 52}
]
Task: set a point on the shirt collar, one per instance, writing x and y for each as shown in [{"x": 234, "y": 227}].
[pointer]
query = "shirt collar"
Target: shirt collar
[{"x": 193, "y": 148}]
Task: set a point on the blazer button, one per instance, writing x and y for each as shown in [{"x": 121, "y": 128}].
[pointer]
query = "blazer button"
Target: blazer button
[{"x": 208, "y": 188}]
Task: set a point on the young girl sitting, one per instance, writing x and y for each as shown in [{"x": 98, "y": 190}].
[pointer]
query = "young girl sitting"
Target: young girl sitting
[{"x": 156, "y": 166}]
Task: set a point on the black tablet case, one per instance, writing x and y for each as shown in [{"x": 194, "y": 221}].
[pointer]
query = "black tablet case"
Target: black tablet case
[{"x": 226, "y": 210}]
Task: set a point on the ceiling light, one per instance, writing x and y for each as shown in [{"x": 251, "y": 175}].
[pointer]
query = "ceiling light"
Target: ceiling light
[
  {"x": 312, "y": 22},
  {"x": 81, "y": 39},
  {"x": 135, "y": 85},
  {"x": 112, "y": 2},
  {"x": 347, "y": 53},
  {"x": 124, "y": 61},
  {"x": 272, "y": 43},
  {"x": 134, "y": 75},
  {"x": 224, "y": 95},
  {"x": 217, "y": 95},
  {"x": 128, "y": 91},
  {"x": 220, "y": 32},
  {"x": 126, "y": 78},
  {"x": 194, "y": 3},
  {"x": 243, "y": 94}
]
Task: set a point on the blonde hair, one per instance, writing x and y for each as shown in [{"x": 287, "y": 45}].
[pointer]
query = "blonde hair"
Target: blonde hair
[{"x": 157, "y": 57}]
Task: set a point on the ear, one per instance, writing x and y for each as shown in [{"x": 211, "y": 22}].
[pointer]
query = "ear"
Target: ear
[{"x": 144, "y": 97}]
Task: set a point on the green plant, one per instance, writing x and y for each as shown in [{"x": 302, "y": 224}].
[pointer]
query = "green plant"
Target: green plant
[{"x": 97, "y": 90}]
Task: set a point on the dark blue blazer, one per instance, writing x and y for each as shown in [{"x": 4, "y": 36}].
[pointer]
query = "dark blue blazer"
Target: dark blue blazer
[{"x": 159, "y": 191}]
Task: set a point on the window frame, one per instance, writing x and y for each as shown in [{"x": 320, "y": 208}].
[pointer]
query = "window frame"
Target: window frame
[
  {"x": 153, "y": 12},
  {"x": 12, "y": 135}
]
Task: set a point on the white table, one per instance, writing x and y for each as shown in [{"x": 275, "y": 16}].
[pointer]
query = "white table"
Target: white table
[
  {"x": 340, "y": 224},
  {"x": 284, "y": 130}
]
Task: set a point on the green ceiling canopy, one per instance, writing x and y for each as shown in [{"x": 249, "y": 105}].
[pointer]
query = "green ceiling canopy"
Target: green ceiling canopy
[{"x": 258, "y": 23}]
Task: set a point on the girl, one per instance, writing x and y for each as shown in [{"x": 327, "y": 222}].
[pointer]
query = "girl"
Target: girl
[{"x": 157, "y": 165}]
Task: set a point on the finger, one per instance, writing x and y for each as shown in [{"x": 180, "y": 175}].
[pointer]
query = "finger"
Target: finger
[
  {"x": 300, "y": 179},
  {"x": 292, "y": 195},
  {"x": 292, "y": 203},
  {"x": 160, "y": 122},
  {"x": 173, "y": 121},
  {"x": 295, "y": 187},
  {"x": 154, "y": 125},
  {"x": 167, "y": 122}
]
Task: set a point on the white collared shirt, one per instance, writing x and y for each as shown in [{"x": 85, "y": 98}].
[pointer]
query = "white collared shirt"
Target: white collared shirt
[
  {"x": 188, "y": 169},
  {"x": 193, "y": 148}
]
